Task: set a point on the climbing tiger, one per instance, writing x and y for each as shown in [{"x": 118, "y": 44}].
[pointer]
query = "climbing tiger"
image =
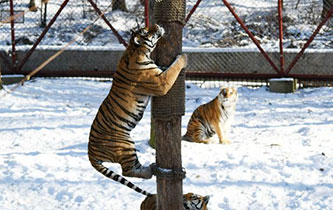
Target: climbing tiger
[
  {"x": 191, "y": 202},
  {"x": 137, "y": 78},
  {"x": 213, "y": 118}
]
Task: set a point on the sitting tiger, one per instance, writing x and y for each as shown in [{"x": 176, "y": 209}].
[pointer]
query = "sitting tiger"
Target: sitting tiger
[
  {"x": 191, "y": 202},
  {"x": 213, "y": 118},
  {"x": 137, "y": 78}
]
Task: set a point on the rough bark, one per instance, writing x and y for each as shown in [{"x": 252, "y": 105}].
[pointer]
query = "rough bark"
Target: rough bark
[{"x": 166, "y": 127}]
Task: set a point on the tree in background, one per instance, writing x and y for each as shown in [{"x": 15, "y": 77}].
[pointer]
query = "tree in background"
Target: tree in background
[
  {"x": 327, "y": 4},
  {"x": 32, "y": 6},
  {"x": 119, "y": 5}
]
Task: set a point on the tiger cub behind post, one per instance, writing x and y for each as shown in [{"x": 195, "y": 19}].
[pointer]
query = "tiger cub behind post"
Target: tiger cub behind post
[
  {"x": 136, "y": 79},
  {"x": 191, "y": 201},
  {"x": 213, "y": 118}
]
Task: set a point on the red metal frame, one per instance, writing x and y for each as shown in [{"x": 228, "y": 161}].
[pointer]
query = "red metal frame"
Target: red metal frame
[
  {"x": 279, "y": 71},
  {"x": 192, "y": 11},
  {"x": 12, "y": 28},
  {"x": 226, "y": 3},
  {"x": 281, "y": 36},
  {"x": 253, "y": 76},
  {"x": 120, "y": 39},
  {"x": 46, "y": 29},
  {"x": 329, "y": 14},
  {"x": 147, "y": 13}
]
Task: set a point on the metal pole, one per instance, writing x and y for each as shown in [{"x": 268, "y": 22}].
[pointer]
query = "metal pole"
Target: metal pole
[
  {"x": 281, "y": 36},
  {"x": 192, "y": 11},
  {"x": 307, "y": 44},
  {"x": 147, "y": 13},
  {"x": 46, "y": 29},
  {"x": 251, "y": 36},
  {"x": 120, "y": 39},
  {"x": 12, "y": 28}
]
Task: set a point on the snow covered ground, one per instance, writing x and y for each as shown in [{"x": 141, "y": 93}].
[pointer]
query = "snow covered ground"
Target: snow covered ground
[{"x": 280, "y": 157}]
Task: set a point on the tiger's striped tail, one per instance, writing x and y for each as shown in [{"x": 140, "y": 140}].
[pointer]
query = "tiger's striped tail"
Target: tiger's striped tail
[{"x": 116, "y": 177}]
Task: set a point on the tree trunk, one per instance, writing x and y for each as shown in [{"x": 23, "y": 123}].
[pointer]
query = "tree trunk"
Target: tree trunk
[
  {"x": 167, "y": 110},
  {"x": 327, "y": 4},
  {"x": 119, "y": 5},
  {"x": 32, "y": 6}
]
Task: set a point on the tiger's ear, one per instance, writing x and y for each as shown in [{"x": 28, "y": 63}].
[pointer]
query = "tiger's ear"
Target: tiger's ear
[{"x": 206, "y": 199}]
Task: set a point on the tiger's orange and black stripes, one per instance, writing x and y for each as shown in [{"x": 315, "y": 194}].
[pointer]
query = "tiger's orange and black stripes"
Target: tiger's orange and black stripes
[
  {"x": 191, "y": 201},
  {"x": 137, "y": 78},
  {"x": 213, "y": 118}
]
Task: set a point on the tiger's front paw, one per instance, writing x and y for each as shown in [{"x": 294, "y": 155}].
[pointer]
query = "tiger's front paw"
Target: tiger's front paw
[{"x": 182, "y": 59}]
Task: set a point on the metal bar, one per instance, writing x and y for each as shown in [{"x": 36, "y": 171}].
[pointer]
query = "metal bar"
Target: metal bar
[
  {"x": 251, "y": 36},
  {"x": 252, "y": 76},
  {"x": 192, "y": 11},
  {"x": 12, "y": 28},
  {"x": 227, "y": 75},
  {"x": 46, "y": 29},
  {"x": 281, "y": 36},
  {"x": 147, "y": 13},
  {"x": 307, "y": 44},
  {"x": 120, "y": 39},
  {"x": 109, "y": 74}
]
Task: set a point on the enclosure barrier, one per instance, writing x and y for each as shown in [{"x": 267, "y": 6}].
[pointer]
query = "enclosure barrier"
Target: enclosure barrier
[
  {"x": 204, "y": 64},
  {"x": 62, "y": 16}
]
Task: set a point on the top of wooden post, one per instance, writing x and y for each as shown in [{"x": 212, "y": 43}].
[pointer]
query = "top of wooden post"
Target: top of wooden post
[{"x": 170, "y": 11}]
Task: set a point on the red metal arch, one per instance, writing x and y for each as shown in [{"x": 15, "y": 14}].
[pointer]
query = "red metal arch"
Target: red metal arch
[{"x": 280, "y": 71}]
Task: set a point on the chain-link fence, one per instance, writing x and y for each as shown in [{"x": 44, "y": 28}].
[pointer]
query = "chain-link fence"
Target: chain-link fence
[
  {"x": 212, "y": 25},
  {"x": 75, "y": 16}
]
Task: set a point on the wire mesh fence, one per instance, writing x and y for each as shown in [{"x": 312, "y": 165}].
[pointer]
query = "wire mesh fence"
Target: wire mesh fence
[
  {"x": 76, "y": 15},
  {"x": 216, "y": 26},
  {"x": 211, "y": 26}
]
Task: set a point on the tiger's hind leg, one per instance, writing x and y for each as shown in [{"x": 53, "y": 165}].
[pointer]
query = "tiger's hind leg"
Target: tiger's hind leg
[
  {"x": 201, "y": 136},
  {"x": 133, "y": 168}
]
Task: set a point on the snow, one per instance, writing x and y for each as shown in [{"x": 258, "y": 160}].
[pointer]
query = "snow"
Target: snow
[
  {"x": 282, "y": 79},
  {"x": 281, "y": 151},
  {"x": 280, "y": 156}
]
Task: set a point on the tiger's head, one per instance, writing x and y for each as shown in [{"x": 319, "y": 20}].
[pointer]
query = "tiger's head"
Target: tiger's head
[
  {"x": 146, "y": 37},
  {"x": 195, "y": 202},
  {"x": 228, "y": 95}
]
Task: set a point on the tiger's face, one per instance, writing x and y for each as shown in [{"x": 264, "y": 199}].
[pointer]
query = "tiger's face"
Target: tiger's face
[
  {"x": 147, "y": 37},
  {"x": 195, "y": 202},
  {"x": 228, "y": 95}
]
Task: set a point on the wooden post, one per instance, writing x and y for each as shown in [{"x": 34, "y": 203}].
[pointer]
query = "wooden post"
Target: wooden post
[{"x": 167, "y": 110}]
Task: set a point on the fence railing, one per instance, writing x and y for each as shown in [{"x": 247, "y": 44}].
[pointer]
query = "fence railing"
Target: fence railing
[{"x": 211, "y": 25}]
